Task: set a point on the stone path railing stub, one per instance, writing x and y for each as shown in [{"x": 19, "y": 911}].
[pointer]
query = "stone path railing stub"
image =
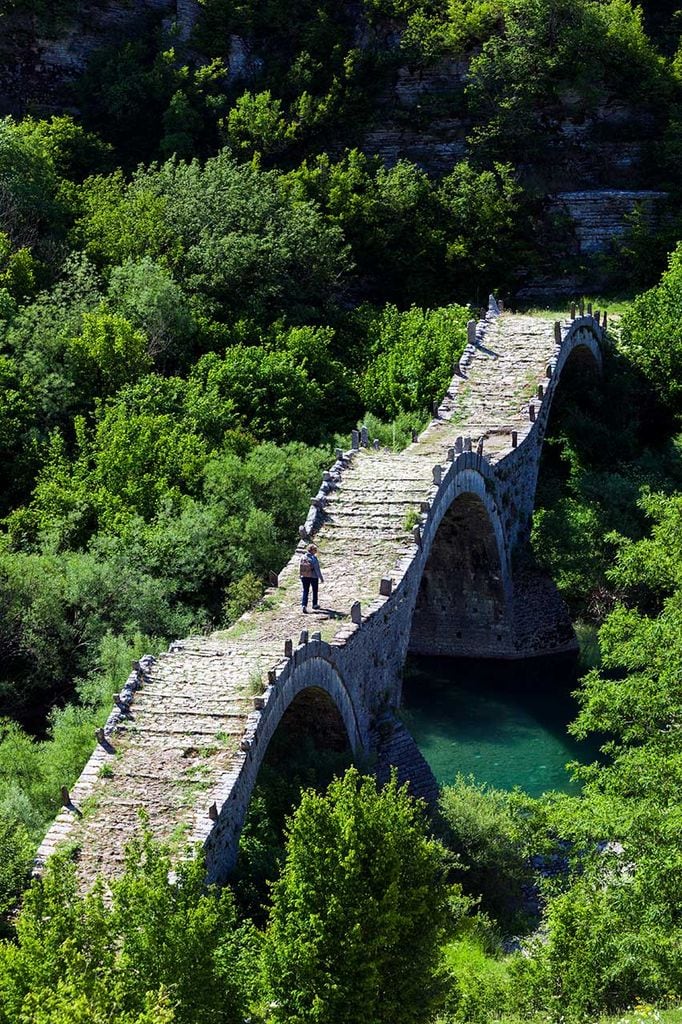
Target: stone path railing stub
[{"x": 188, "y": 726}]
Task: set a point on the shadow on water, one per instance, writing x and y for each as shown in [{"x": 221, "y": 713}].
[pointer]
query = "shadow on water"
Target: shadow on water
[{"x": 503, "y": 722}]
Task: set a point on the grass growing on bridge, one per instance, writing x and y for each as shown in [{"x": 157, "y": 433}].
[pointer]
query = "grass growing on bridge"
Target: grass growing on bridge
[{"x": 615, "y": 304}]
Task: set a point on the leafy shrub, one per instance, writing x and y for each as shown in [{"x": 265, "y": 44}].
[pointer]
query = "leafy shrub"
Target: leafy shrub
[
  {"x": 107, "y": 354},
  {"x": 610, "y": 940},
  {"x": 486, "y": 226},
  {"x": 290, "y": 390},
  {"x": 480, "y": 984},
  {"x": 256, "y": 124},
  {"x": 228, "y": 232},
  {"x": 242, "y": 595},
  {"x": 16, "y": 861},
  {"x": 161, "y": 949},
  {"x": 395, "y": 435},
  {"x": 364, "y": 943},
  {"x": 490, "y": 832},
  {"x": 28, "y": 186},
  {"x": 147, "y": 295},
  {"x": 18, "y": 441},
  {"x": 415, "y": 360},
  {"x": 652, "y": 338}
]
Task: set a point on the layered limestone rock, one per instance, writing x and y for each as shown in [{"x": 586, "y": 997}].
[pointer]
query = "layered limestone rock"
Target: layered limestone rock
[
  {"x": 39, "y": 64},
  {"x": 601, "y": 216},
  {"x": 416, "y": 118}
]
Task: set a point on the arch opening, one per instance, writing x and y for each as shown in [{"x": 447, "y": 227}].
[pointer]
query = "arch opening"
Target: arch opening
[
  {"x": 581, "y": 362},
  {"x": 312, "y": 717},
  {"x": 309, "y": 746},
  {"x": 576, "y": 410},
  {"x": 461, "y": 607}
]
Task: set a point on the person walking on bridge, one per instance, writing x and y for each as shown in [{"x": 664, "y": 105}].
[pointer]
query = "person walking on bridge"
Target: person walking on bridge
[{"x": 311, "y": 577}]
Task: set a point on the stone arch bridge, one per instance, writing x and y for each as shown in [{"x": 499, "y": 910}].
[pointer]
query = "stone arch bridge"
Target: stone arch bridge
[{"x": 420, "y": 551}]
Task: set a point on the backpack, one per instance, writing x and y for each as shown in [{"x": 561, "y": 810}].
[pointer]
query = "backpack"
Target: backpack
[{"x": 306, "y": 568}]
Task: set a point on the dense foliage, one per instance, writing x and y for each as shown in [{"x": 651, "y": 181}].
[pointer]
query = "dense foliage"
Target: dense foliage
[
  {"x": 156, "y": 949},
  {"x": 162, "y": 947},
  {"x": 360, "y": 892},
  {"x": 611, "y": 520},
  {"x": 652, "y": 336},
  {"x": 206, "y": 280}
]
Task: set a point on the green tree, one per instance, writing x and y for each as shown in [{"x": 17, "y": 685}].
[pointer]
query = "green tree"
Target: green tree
[
  {"x": 256, "y": 124},
  {"x": 416, "y": 352},
  {"x": 74, "y": 152},
  {"x": 491, "y": 832},
  {"x": 146, "y": 293},
  {"x": 387, "y": 215},
  {"x": 162, "y": 945},
  {"x": 358, "y": 910},
  {"x": 487, "y": 225},
  {"x": 548, "y": 49},
  {"x": 128, "y": 465},
  {"x": 290, "y": 388},
  {"x": 108, "y": 353},
  {"x": 18, "y": 433},
  {"x": 29, "y": 185},
  {"x": 230, "y": 234},
  {"x": 652, "y": 335},
  {"x": 120, "y": 221},
  {"x": 611, "y": 936},
  {"x": 17, "y": 273}
]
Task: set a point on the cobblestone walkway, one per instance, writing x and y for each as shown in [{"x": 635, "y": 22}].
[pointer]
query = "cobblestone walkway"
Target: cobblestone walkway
[{"x": 167, "y": 747}]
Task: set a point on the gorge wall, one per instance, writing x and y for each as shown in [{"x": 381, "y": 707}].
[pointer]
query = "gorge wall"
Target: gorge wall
[
  {"x": 598, "y": 170},
  {"x": 41, "y": 58}
]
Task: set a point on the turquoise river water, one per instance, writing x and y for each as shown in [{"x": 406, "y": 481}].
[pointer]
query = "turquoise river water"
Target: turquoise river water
[{"x": 502, "y": 722}]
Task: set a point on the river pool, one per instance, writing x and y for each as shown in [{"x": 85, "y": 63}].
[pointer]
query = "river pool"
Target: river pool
[{"x": 503, "y": 722}]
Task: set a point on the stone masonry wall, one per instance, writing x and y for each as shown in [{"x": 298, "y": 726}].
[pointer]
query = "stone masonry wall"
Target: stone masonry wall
[{"x": 361, "y": 669}]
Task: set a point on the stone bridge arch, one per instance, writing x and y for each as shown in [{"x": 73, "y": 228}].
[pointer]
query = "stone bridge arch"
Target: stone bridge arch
[
  {"x": 464, "y": 592},
  {"x": 311, "y": 672},
  {"x": 517, "y": 471},
  {"x": 581, "y": 345},
  {"x": 187, "y": 735}
]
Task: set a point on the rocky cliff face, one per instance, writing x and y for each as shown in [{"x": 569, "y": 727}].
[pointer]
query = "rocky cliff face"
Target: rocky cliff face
[
  {"x": 600, "y": 216},
  {"x": 38, "y": 65},
  {"x": 416, "y": 118},
  {"x": 595, "y": 172}
]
